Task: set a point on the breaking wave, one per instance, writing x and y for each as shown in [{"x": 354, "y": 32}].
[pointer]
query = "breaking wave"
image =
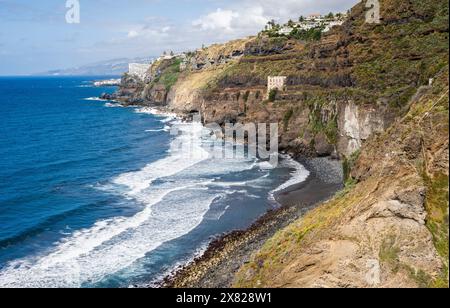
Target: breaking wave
[{"x": 175, "y": 192}]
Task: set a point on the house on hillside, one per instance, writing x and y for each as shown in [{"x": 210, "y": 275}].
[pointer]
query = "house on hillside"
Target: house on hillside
[
  {"x": 276, "y": 83},
  {"x": 285, "y": 31},
  {"x": 315, "y": 17},
  {"x": 313, "y": 21}
]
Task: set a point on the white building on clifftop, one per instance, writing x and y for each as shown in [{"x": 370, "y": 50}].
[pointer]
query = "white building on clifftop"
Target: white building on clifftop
[
  {"x": 276, "y": 82},
  {"x": 138, "y": 69}
]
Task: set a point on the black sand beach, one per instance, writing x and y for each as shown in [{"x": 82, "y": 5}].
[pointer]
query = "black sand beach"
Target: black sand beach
[{"x": 225, "y": 255}]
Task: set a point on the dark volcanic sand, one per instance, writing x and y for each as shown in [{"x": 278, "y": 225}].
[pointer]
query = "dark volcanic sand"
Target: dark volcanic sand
[{"x": 217, "y": 266}]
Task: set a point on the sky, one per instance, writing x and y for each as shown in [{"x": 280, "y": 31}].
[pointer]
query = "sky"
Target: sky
[{"x": 36, "y": 37}]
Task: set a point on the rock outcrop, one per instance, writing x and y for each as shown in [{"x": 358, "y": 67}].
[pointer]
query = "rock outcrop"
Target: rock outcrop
[{"x": 358, "y": 123}]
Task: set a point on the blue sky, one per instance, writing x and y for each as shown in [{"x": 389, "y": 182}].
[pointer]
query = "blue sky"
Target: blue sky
[{"x": 35, "y": 37}]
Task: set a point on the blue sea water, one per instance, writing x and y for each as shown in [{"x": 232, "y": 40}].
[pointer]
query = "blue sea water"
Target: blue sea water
[{"x": 94, "y": 196}]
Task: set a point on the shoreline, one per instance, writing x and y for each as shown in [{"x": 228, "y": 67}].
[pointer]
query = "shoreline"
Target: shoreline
[{"x": 216, "y": 267}]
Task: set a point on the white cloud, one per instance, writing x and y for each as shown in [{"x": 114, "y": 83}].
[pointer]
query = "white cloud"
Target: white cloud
[
  {"x": 286, "y": 9},
  {"x": 133, "y": 33},
  {"x": 249, "y": 16},
  {"x": 235, "y": 20},
  {"x": 218, "y": 20},
  {"x": 238, "y": 20},
  {"x": 146, "y": 31}
]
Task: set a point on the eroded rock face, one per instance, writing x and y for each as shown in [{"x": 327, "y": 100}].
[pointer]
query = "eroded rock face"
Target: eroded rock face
[
  {"x": 322, "y": 145},
  {"x": 216, "y": 55},
  {"x": 130, "y": 82},
  {"x": 357, "y": 123},
  {"x": 265, "y": 46},
  {"x": 157, "y": 95}
]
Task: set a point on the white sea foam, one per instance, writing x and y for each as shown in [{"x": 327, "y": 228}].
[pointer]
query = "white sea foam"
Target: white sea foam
[
  {"x": 111, "y": 245},
  {"x": 299, "y": 175},
  {"x": 113, "y": 105},
  {"x": 220, "y": 214},
  {"x": 265, "y": 165},
  {"x": 92, "y": 254},
  {"x": 95, "y": 99},
  {"x": 146, "y": 110},
  {"x": 175, "y": 198},
  {"x": 154, "y": 111},
  {"x": 256, "y": 183},
  {"x": 168, "y": 120},
  {"x": 165, "y": 129},
  {"x": 185, "y": 151}
]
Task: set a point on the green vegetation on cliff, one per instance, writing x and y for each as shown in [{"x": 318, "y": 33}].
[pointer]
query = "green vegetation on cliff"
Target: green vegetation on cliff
[
  {"x": 402, "y": 52},
  {"x": 169, "y": 76},
  {"x": 313, "y": 34}
]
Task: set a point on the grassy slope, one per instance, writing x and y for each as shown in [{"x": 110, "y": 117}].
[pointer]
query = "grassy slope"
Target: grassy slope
[{"x": 408, "y": 48}]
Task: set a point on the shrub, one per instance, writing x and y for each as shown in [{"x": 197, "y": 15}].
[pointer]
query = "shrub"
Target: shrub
[
  {"x": 313, "y": 34},
  {"x": 287, "y": 117},
  {"x": 246, "y": 96},
  {"x": 169, "y": 76},
  {"x": 273, "y": 95}
]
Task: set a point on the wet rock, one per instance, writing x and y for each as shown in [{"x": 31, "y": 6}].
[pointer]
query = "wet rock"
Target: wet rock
[{"x": 322, "y": 146}]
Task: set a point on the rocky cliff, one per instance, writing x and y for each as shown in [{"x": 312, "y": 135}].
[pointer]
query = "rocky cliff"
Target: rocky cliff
[
  {"x": 352, "y": 83},
  {"x": 375, "y": 95}
]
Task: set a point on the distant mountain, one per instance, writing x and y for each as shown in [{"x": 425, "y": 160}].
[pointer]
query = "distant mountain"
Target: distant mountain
[{"x": 104, "y": 68}]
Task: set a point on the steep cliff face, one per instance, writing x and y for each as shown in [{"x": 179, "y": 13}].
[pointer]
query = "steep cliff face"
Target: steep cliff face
[
  {"x": 356, "y": 125},
  {"x": 389, "y": 228}
]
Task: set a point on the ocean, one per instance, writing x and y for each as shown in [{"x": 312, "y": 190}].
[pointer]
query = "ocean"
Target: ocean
[{"x": 95, "y": 195}]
